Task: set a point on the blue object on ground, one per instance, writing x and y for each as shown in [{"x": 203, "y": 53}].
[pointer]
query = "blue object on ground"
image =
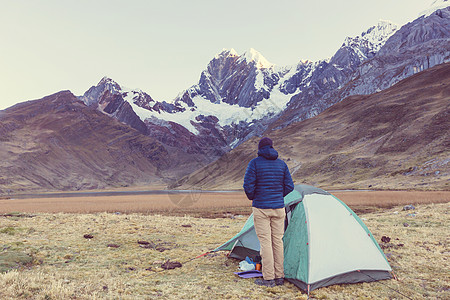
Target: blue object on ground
[{"x": 249, "y": 274}]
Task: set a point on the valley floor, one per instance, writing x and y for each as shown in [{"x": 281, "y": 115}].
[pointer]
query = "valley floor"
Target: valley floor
[
  {"x": 119, "y": 256},
  {"x": 204, "y": 204}
]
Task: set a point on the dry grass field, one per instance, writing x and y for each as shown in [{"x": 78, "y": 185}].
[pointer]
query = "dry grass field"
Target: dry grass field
[
  {"x": 206, "y": 204},
  {"x": 96, "y": 255}
]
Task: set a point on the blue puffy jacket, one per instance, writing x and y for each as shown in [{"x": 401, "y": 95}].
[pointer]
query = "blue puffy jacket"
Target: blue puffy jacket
[{"x": 267, "y": 180}]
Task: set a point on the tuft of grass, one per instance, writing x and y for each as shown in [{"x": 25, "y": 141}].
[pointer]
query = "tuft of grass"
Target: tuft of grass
[{"x": 8, "y": 230}]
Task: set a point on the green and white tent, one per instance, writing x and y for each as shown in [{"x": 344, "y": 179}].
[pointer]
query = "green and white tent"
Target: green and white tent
[{"x": 325, "y": 242}]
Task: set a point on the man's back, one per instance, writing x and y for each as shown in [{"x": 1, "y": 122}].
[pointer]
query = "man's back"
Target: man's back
[{"x": 267, "y": 179}]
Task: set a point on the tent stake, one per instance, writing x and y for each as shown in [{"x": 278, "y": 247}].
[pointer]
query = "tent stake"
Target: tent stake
[{"x": 395, "y": 276}]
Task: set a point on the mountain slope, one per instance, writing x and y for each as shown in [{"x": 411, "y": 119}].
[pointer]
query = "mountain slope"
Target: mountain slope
[
  {"x": 397, "y": 139},
  {"x": 57, "y": 143},
  {"x": 416, "y": 46}
]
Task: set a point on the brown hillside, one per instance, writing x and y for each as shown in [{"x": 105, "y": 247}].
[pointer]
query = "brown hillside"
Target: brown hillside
[
  {"x": 57, "y": 143},
  {"x": 394, "y": 139}
]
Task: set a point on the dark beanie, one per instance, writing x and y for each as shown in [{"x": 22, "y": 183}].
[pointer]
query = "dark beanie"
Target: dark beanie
[{"x": 265, "y": 141}]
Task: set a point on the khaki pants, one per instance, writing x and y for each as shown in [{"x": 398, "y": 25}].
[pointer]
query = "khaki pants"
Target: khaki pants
[{"x": 269, "y": 227}]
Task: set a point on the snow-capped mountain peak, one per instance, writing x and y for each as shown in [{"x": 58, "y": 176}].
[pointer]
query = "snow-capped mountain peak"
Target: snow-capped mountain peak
[
  {"x": 260, "y": 61},
  {"x": 135, "y": 95},
  {"x": 105, "y": 84},
  {"x": 105, "y": 79},
  {"x": 110, "y": 83},
  {"x": 435, "y": 5},
  {"x": 371, "y": 41},
  {"x": 383, "y": 30},
  {"x": 226, "y": 53}
]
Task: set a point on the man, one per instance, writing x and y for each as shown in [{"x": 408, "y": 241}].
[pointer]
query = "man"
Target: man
[{"x": 266, "y": 182}]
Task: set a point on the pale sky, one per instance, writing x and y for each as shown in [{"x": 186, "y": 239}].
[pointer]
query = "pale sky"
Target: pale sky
[{"x": 161, "y": 46}]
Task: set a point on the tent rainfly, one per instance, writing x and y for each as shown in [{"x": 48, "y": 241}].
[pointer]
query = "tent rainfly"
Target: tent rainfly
[{"x": 325, "y": 242}]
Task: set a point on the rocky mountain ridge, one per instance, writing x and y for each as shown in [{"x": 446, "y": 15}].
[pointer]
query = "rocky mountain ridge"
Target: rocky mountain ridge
[
  {"x": 398, "y": 138},
  {"x": 415, "y": 47},
  {"x": 238, "y": 96}
]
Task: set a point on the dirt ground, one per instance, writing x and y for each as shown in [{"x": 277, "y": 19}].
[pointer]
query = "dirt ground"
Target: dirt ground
[{"x": 206, "y": 204}]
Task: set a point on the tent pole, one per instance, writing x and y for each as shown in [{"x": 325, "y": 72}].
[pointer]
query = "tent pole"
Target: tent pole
[{"x": 234, "y": 245}]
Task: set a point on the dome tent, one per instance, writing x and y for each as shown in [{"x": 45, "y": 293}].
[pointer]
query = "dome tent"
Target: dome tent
[{"x": 325, "y": 242}]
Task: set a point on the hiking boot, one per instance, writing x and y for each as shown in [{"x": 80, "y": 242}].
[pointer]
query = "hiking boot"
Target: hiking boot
[
  {"x": 279, "y": 281},
  {"x": 269, "y": 283}
]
